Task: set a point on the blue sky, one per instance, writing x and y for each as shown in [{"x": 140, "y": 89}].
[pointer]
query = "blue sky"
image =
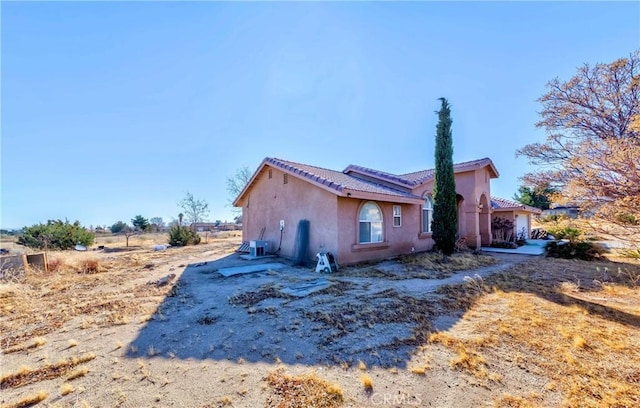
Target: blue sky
[{"x": 112, "y": 109}]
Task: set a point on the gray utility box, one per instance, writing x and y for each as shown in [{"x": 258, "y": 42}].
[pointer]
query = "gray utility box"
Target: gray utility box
[{"x": 258, "y": 248}]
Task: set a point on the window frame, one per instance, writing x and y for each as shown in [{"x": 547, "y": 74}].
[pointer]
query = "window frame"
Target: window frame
[
  {"x": 370, "y": 223},
  {"x": 427, "y": 214},
  {"x": 397, "y": 216}
]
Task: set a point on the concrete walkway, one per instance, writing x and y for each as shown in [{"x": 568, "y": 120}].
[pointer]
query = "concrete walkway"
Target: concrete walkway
[{"x": 532, "y": 247}]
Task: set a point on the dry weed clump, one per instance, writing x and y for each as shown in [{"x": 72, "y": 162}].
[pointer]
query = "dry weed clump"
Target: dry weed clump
[
  {"x": 66, "y": 389},
  {"x": 90, "y": 265},
  {"x": 27, "y": 375},
  {"x": 249, "y": 299},
  {"x": 77, "y": 373},
  {"x": 306, "y": 390},
  {"x": 28, "y": 401},
  {"x": 455, "y": 263},
  {"x": 56, "y": 264},
  {"x": 513, "y": 401},
  {"x": 37, "y": 342},
  {"x": 367, "y": 382},
  {"x": 467, "y": 357}
]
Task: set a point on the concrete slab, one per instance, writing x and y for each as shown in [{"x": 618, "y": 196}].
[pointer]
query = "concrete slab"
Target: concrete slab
[
  {"x": 305, "y": 289},
  {"x": 532, "y": 247},
  {"x": 239, "y": 270}
]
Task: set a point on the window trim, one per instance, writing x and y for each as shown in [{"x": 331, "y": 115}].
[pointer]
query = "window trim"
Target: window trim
[
  {"x": 361, "y": 221},
  {"x": 428, "y": 198},
  {"x": 398, "y": 216}
]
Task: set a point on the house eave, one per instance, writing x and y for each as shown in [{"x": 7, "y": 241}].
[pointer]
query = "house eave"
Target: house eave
[
  {"x": 523, "y": 208},
  {"x": 390, "y": 198}
]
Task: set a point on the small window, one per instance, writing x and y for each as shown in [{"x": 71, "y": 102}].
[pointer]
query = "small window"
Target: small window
[
  {"x": 427, "y": 214},
  {"x": 270, "y": 173},
  {"x": 370, "y": 223},
  {"x": 285, "y": 179},
  {"x": 397, "y": 216}
]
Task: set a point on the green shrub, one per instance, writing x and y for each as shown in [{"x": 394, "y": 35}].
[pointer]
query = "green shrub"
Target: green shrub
[
  {"x": 118, "y": 227},
  {"x": 587, "y": 251},
  {"x": 181, "y": 236},
  {"x": 56, "y": 235}
]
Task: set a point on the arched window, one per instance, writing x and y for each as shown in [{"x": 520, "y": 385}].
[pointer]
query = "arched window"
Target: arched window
[
  {"x": 427, "y": 214},
  {"x": 370, "y": 223}
]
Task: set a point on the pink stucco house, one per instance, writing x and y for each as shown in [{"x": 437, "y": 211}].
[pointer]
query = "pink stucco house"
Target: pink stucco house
[{"x": 359, "y": 214}]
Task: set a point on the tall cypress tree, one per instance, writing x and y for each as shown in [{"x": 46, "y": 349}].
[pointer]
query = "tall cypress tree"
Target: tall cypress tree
[{"x": 445, "y": 211}]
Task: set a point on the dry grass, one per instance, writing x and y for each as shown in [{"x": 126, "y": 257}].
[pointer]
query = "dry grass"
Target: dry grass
[
  {"x": 28, "y": 401},
  {"x": 56, "y": 298},
  {"x": 512, "y": 401},
  {"x": 581, "y": 335},
  {"x": 594, "y": 360},
  {"x": 456, "y": 262},
  {"x": 426, "y": 265},
  {"x": 306, "y": 390},
  {"x": 27, "y": 375}
]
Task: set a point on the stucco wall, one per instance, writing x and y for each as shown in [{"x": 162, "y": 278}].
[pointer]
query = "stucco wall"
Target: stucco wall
[
  {"x": 511, "y": 216},
  {"x": 270, "y": 200},
  {"x": 473, "y": 224},
  {"x": 334, "y": 220},
  {"x": 397, "y": 240}
]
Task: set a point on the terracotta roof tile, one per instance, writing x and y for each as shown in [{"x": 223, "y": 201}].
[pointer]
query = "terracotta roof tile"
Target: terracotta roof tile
[
  {"x": 348, "y": 179},
  {"x": 379, "y": 174},
  {"x": 421, "y": 176},
  {"x": 498, "y": 203},
  {"x": 337, "y": 180}
]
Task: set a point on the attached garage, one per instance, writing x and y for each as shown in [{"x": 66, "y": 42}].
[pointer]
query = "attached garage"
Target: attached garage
[{"x": 514, "y": 211}]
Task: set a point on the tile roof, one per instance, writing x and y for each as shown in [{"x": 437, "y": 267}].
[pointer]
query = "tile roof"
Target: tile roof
[
  {"x": 421, "y": 176},
  {"x": 411, "y": 180},
  {"x": 352, "y": 168},
  {"x": 337, "y": 180},
  {"x": 498, "y": 203},
  {"x": 358, "y": 178}
]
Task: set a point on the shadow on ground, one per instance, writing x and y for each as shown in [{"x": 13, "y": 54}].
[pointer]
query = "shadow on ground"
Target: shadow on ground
[
  {"x": 270, "y": 315},
  {"x": 264, "y": 317}
]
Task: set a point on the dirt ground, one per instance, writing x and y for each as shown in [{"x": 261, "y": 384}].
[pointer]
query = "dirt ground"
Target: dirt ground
[{"x": 101, "y": 332}]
